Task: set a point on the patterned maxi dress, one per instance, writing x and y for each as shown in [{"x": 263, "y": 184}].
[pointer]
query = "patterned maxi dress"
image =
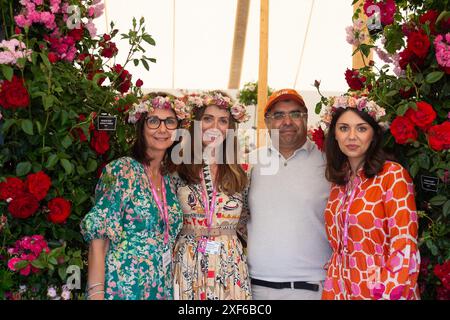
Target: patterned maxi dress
[
  {"x": 126, "y": 214},
  {"x": 381, "y": 259},
  {"x": 206, "y": 276}
]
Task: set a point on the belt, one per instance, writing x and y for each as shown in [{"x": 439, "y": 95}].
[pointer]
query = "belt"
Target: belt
[
  {"x": 284, "y": 285},
  {"x": 203, "y": 232}
]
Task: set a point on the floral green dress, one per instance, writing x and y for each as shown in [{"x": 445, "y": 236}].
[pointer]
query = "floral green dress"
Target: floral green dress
[{"x": 126, "y": 213}]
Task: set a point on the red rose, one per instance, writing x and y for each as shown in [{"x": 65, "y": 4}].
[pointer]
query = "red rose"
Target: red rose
[
  {"x": 318, "y": 136},
  {"x": 77, "y": 34},
  {"x": 109, "y": 50},
  {"x": 13, "y": 94},
  {"x": 406, "y": 93},
  {"x": 124, "y": 81},
  {"x": 423, "y": 116},
  {"x": 408, "y": 57},
  {"x": 38, "y": 184},
  {"x": 139, "y": 83},
  {"x": 430, "y": 17},
  {"x": 59, "y": 210},
  {"x": 419, "y": 43},
  {"x": 52, "y": 57},
  {"x": 106, "y": 37},
  {"x": 100, "y": 142},
  {"x": 439, "y": 136},
  {"x": 24, "y": 206},
  {"x": 354, "y": 80},
  {"x": 11, "y": 188},
  {"x": 403, "y": 130}
]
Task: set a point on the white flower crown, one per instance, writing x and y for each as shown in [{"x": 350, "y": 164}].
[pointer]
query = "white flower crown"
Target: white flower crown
[{"x": 190, "y": 102}]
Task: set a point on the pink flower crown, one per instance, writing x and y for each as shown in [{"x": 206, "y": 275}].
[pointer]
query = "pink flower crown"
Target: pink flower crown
[
  {"x": 188, "y": 104},
  {"x": 317, "y": 133},
  {"x": 148, "y": 104}
]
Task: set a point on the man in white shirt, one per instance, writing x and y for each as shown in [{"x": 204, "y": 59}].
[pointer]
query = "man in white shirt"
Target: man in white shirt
[{"x": 287, "y": 244}]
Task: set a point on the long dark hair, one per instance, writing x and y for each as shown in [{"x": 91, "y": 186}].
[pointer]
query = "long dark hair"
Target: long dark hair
[
  {"x": 230, "y": 176},
  {"x": 138, "y": 150},
  {"x": 338, "y": 167}
]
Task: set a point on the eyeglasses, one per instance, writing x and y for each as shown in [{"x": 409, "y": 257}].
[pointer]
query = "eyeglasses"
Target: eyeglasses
[
  {"x": 154, "y": 122},
  {"x": 294, "y": 115}
]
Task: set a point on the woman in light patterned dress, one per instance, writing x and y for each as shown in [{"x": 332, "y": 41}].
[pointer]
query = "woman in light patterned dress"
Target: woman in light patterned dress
[
  {"x": 209, "y": 259},
  {"x": 132, "y": 227},
  {"x": 371, "y": 218}
]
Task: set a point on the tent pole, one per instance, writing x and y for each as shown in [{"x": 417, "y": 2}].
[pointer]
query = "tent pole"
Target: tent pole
[
  {"x": 240, "y": 31},
  {"x": 263, "y": 66}
]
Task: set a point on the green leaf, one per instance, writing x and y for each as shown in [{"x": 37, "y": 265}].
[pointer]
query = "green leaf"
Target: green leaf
[
  {"x": 27, "y": 126},
  {"x": 52, "y": 161},
  {"x": 48, "y": 102},
  {"x": 44, "y": 58},
  {"x": 62, "y": 272},
  {"x": 401, "y": 110},
  {"x": 414, "y": 169},
  {"x": 38, "y": 263},
  {"x": 148, "y": 38},
  {"x": 8, "y": 72},
  {"x": 145, "y": 63},
  {"x": 391, "y": 93},
  {"x": 434, "y": 76},
  {"x": 21, "y": 264},
  {"x": 39, "y": 127},
  {"x": 434, "y": 250},
  {"x": 66, "y": 142},
  {"x": 136, "y": 62},
  {"x": 23, "y": 168},
  {"x": 91, "y": 165},
  {"x": 446, "y": 208},
  {"x": 365, "y": 49},
  {"x": 7, "y": 124},
  {"x": 438, "y": 200},
  {"x": 67, "y": 165},
  {"x": 424, "y": 161}
]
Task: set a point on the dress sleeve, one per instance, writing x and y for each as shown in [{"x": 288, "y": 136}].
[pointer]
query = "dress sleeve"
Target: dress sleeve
[
  {"x": 241, "y": 228},
  {"x": 104, "y": 220},
  {"x": 398, "y": 276}
]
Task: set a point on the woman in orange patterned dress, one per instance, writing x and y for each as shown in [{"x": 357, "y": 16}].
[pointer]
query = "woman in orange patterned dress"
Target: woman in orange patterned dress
[{"x": 371, "y": 218}]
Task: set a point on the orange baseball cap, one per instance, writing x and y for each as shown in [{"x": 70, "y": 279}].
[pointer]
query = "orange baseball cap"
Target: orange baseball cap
[{"x": 283, "y": 94}]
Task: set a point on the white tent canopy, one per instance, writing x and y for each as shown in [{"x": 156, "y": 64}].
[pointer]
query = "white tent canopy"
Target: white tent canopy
[{"x": 194, "y": 43}]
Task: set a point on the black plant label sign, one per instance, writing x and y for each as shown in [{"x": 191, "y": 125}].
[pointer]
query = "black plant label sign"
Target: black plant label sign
[
  {"x": 429, "y": 183},
  {"x": 106, "y": 122}
]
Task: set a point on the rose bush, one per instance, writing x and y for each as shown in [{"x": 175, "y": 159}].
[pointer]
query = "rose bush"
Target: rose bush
[{"x": 57, "y": 78}]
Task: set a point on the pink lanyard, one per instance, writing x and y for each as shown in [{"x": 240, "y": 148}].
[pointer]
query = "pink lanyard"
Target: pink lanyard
[
  {"x": 162, "y": 205},
  {"x": 209, "y": 207},
  {"x": 350, "y": 201}
]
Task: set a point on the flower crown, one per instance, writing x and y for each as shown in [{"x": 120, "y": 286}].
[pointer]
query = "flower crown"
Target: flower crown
[
  {"x": 359, "y": 103},
  {"x": 318, "y": 132},
  {"x": 148, "y": 104},
  {"x": 187, "y": 106}
]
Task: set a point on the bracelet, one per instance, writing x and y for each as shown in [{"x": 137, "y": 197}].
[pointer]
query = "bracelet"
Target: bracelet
[
  {"x": 93, "y": 294},
  {"x": 95, "y": 285}
]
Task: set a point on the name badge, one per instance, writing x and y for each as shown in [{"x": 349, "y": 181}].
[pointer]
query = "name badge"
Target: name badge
[
  {"x": 167, "y": 258},
  {"x": 212, "y": 247}
]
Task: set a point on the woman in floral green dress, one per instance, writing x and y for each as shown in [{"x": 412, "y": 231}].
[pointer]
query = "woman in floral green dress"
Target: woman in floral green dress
[{"x": 136, "y": 217}]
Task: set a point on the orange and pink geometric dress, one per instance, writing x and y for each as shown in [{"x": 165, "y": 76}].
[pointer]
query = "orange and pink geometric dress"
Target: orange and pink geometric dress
[{"x": 372, "y": 229}]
